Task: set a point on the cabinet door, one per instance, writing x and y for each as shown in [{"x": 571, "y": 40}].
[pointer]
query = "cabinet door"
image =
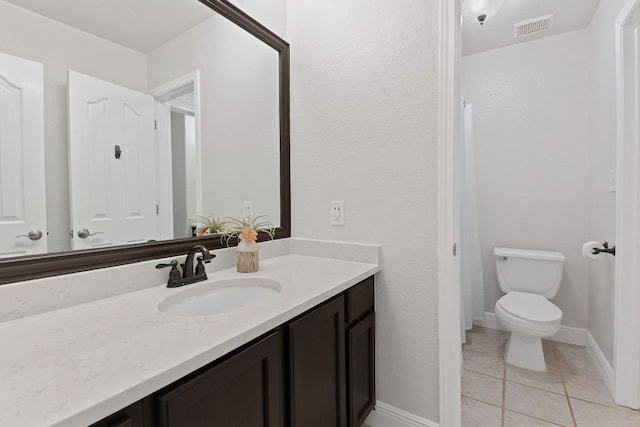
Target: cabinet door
[
  {"x": 361, "y": 369},
  {"x": 317, "y": 367},
  {"x": 131, "y": 416},
  {"x": 243, "y": 391}
]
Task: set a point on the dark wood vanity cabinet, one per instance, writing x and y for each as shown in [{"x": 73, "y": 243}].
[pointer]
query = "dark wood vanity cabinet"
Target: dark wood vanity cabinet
[
  {"x": 332, "y": 361},
  {"x": 317, "y": 374},
  {"x": 360, "y": 338},
  {"x": 243, "y": 391},
  {"x": 361, "y": 370},
  {"x": 317, "y": 370}
]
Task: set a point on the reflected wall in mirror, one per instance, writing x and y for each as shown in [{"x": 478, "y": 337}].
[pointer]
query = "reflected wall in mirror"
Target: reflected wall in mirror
[
  {"x": 210, "y": 81},
  {"x": 154, "y": 113}
]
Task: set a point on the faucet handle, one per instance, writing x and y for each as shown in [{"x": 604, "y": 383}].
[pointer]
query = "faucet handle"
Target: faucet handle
[
  {"x": 200, "y": 267},
  {"x": 174, "y": 274},
  {"x": 172, "y": 264}
]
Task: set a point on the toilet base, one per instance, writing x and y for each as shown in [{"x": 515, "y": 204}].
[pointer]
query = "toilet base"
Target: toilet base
[{"x": 525, "y": 352}]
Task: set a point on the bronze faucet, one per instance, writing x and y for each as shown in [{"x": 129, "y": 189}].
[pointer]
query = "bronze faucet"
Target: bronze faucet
[{"x": 188, "y": 274}]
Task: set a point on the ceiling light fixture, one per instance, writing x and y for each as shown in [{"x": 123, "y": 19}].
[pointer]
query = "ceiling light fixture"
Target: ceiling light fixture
[{"x": 480, "y": 10}]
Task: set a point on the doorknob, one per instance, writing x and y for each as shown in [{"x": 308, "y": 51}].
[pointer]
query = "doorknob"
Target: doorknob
[
  {"x": 33, "y": 235},
  {"x": 83, "y": 233}
]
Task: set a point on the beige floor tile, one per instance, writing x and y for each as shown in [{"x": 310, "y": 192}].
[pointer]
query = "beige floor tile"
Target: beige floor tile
[
  {"x": 538, "y": 403},
  {"x": 550, "y": 381},
  {"x": 587, "y": 388},
  {"x": 550, "y": 359},
  {"x": 575, "y": 360},
  {"x": 484, "y": 363},
  {"x": 482, "y": 387},
  {"x": 513, "y": 419},
  {"x": 486, "y": 340},
  {"x": 479, "y": 414},
  {"x": 592, "y": 415}
]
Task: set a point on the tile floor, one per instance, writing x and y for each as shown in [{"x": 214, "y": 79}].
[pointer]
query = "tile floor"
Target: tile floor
[{"x": 571, "y": 393}]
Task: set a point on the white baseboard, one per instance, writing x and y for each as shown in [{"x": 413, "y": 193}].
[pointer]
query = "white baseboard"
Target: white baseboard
[
  {"x": 490, "y": 321},
  {"x": 385, "y": 415},
  {"x": 567, "y": 334},
  {"x": 601, "y": 362}
]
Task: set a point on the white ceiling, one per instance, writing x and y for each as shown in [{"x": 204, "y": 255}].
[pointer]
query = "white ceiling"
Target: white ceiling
[
  {"x": 569, "y": 15},
  {"x": 141, "y": 25}
]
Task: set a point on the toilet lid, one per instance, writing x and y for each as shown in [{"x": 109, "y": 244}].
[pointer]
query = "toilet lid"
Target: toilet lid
[{"x": 531, "y": 307}]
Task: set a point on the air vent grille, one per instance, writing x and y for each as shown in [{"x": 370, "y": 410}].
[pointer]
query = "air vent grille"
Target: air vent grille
[{"x": 533, "y": 26}]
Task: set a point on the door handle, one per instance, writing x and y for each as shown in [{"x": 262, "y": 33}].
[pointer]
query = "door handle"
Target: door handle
[
  {"x": 84, "y": 233},
  {"x": 33, "y": 235}
]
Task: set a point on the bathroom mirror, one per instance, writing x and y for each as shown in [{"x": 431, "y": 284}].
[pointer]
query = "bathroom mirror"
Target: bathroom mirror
[{"x": 202, "y": 61}]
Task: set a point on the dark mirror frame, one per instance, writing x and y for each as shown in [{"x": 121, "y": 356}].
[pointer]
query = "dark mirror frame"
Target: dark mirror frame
[{"x": 38, "y": 266}]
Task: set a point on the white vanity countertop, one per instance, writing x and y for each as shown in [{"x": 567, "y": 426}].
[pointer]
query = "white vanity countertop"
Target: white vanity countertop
[{"x": 74, "y": 366}]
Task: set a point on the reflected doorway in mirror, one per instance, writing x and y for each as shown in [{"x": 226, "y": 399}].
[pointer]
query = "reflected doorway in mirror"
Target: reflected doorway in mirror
[
  {"x": 179, "y": 167},
  {"x": 23, "y": 222}
]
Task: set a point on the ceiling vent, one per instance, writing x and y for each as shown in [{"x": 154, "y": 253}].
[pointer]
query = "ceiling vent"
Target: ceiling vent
[{"x": 533, "y": 26}]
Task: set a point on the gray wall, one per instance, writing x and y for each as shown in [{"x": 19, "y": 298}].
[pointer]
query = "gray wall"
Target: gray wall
[{"x": 364, "y": 116}]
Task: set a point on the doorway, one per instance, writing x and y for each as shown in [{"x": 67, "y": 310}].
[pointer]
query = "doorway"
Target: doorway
[
  {"x": 626, "y": 359},
  {"x": 178, "y": 139}
]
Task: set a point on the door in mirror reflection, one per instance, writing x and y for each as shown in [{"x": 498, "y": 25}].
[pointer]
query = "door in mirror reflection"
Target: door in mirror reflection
[
  {"x": 113, "y": 164},
  {"x": 23, "y": 229}
]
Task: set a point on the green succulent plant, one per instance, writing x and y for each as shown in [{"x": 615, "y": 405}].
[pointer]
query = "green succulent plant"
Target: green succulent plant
[
  {"x": 209, "y": 225},
  {"x": 246, "y": 228}
]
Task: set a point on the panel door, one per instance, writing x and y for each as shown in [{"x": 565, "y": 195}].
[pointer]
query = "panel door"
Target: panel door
[
  {"x": 243, "y": 391},
  {"x": 22, "y": 179},
  {"x": 112, "y": 164},
  {"x": 317, "y": 368},
  {"x": 361, "y": 367}
]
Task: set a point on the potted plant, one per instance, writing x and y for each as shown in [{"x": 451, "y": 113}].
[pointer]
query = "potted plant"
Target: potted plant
[{"x": 246, "y": 231}]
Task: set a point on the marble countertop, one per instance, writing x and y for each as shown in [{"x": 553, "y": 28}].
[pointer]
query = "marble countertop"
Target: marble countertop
[{"x": 74, "y": 366}]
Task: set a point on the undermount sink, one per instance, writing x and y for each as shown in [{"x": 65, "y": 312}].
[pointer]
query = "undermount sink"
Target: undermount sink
[{"x": 219, "y": 296}]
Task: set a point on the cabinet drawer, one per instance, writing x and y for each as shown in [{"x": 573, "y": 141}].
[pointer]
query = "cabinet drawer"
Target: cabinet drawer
[{"x": 360, "y": 300}]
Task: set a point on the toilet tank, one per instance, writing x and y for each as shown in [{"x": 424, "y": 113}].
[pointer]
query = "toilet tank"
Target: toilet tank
[{"x": 524, "y": 270}]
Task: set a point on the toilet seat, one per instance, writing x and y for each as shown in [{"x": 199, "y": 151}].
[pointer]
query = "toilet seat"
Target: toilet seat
[{"x": 530, "y": 308}]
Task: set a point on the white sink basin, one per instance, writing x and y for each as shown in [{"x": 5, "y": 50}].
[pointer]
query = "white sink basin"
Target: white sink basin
[{"x": 219, "y": 296}]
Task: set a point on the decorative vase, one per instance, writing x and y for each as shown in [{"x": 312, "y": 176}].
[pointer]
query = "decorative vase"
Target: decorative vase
[{"x": 248, "y": 259}]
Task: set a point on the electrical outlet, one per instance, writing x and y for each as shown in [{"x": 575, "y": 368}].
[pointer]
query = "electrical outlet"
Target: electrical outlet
[
  {"x": 612, "y": 180},
  {"x": 247, "y": 209},
  {"x": 337, "y": 213}
]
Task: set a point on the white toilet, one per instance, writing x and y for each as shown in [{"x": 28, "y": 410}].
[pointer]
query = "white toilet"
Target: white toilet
[{"x": 530, "y": 279}]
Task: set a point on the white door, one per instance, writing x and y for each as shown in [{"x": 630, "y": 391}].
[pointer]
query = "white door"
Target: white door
[
  {"x": 23, "y": 228},
  {"x": 626, "y": 351},
  {"x": 112, "y": 164}
]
